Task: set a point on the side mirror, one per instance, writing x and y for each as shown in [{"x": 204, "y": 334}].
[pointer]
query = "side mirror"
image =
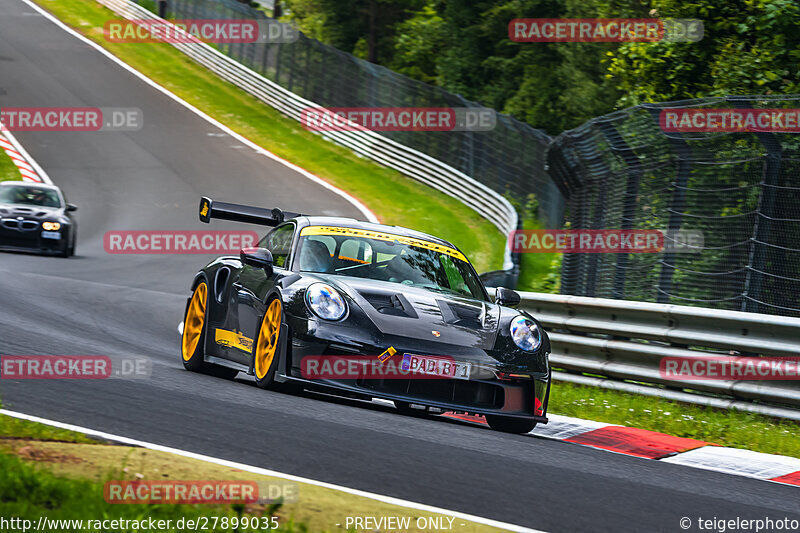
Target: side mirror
[
  {"x": 257, "y": 258},
  {"x": 507, "y": 297},
  {"x": 72, "y": 207}
]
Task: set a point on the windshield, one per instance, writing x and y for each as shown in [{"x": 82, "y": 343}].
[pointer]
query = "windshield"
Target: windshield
[
  {"x": 387, "y": 257},
  {"x": 28, "y": 195}
]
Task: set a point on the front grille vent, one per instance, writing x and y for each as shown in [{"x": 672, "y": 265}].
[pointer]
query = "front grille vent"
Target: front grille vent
[
  {"x": 461, "y": 315},
  {"x": 390, "y": 304}
]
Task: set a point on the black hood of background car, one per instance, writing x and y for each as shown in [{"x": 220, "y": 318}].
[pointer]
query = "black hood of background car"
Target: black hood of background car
[
  {"x": 30, "y": 211},
  {"x": 407, "y": 311}
]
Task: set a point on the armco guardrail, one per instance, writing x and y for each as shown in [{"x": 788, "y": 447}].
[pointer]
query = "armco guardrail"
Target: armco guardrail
[
  {"x": 625, "y": 341},
  {"x": 412, "y": 163}
]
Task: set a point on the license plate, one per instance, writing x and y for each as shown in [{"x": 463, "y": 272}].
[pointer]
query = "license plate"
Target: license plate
[
  {"x": 51, "y": 235},
  {"x": 430, "y": 365}
]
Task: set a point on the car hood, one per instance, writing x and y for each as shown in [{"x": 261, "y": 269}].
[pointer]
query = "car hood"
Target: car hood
[
  {"x": 418, "y": 313},
  {"x": 29, "y": 211}
]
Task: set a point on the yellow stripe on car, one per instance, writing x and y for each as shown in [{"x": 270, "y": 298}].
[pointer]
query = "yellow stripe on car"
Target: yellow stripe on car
[
  {"x": 383, "y": 236},
  {"x": 233, "y": 339}
]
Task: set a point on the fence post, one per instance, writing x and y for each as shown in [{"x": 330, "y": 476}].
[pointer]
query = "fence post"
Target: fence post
[
  {"x": 751, "y": 295},
  {"x": 677, "y": 204},
  {"x": 570, "y": 185},
  {"x": 629, "y": 206}
]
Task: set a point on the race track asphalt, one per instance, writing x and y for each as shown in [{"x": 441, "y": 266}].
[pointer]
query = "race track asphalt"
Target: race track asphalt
[{"x": 130, "y": 306}]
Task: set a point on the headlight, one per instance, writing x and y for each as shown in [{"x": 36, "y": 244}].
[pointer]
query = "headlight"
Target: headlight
[
  {"x": 325, "y": 302},
  {"x": 525, "y": 333},
  {"x": 51, "y": 226}
]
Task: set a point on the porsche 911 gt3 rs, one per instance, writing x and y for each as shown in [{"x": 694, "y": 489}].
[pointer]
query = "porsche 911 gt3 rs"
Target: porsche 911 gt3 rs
[{"x": 404, "y": 310}]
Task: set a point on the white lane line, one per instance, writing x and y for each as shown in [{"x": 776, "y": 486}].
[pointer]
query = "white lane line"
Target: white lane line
[
  {"x": 28, "y": 167},
  {"x": 369, "y": 215},
  {"x": 737, "y": 461},
  {"x": 265, "y": 472},
  {"x": 564, "y": 427}
]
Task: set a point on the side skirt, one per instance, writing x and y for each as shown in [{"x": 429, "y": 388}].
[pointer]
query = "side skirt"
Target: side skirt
[{"x": 226, "y": 363}]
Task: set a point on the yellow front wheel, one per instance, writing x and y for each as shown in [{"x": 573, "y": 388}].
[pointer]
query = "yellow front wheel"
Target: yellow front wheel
[
  {"x": 193, "y": 340},
  {"x": 266, "y": 346}
]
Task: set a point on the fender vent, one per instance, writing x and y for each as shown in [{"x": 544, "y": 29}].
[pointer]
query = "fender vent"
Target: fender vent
[{"x": 220, "y": 280}]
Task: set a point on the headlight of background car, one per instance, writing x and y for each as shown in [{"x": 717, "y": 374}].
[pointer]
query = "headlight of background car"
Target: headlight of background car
[
  {"x": 325, "y": 302},
  {"x": 51, "y": 226},
  {"x": 525, "y": 333}
]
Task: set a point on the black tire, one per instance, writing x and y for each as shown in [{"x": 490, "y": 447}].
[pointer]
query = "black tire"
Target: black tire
[
  {"x": 266, "y": 346},
  {"x": 507, "y": 424},
  {"x": 69, "y": 249}
]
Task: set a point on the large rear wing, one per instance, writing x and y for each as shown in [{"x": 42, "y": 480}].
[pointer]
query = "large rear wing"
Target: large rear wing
[{"x": 242, "y": 213}]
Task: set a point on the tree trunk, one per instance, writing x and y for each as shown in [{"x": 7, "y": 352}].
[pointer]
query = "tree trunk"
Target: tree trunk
[{"x": 372, "y": 41}]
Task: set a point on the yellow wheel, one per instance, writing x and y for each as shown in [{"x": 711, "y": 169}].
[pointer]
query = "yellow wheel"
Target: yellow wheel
[
  {"x": 193, "y": 329},
  {"x": 266, "y": 346}
]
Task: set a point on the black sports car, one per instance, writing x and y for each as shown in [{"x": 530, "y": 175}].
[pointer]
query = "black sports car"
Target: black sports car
[
  {"x": 366, "y": 310},
  {"x": 35, "y": 217}
]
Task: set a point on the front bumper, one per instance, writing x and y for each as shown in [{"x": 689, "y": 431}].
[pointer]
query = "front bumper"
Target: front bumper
[
  {"x": 489, "y": 391},
  {"x": 29, "y": 239}
]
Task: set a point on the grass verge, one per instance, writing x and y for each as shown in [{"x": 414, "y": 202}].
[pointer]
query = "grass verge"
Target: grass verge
[
  {"x": 16, "y": 428},
  {"x": 733, "y": 428},
  {"x": 29, "y": 490},
  {"x": 8, "y": 170},
  {"x": 394, "y": 198},
  {"x": 539, "y": 272},
  {"x": 44, "y": 471}
]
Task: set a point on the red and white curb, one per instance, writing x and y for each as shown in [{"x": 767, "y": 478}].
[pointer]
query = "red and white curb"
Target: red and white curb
[
  {"x": 28, "y": 168},
  {"x": 666, "y": 448}
]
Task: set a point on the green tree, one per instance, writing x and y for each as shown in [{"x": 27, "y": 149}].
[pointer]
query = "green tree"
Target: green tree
[
  {"x": 365, "y": 28},
  {"x": 749, "y": 47},
  {"x": 463, "y": 46}
]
